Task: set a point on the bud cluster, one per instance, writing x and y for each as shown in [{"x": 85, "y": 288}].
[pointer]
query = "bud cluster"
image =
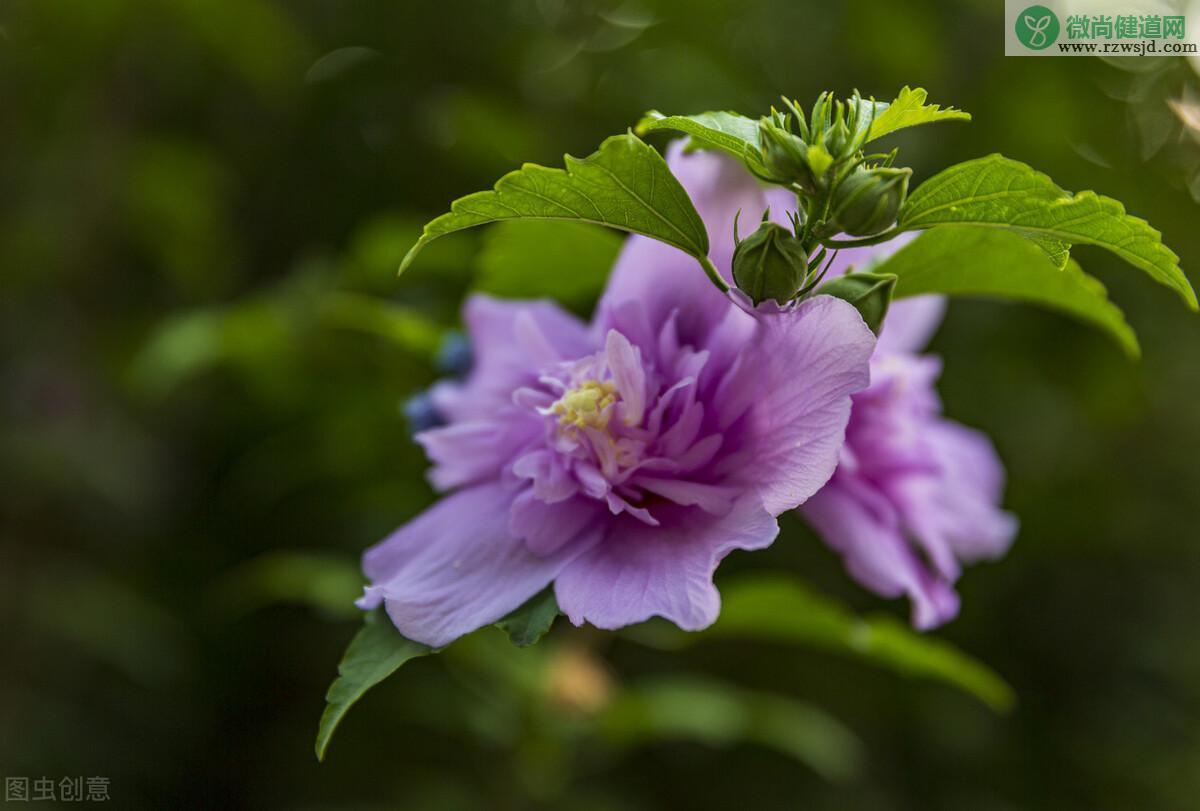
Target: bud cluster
[
  {"x": 840, "y": 190},
  {"x": 820, "y": 156},
  {"x": 807, "y": 151}
]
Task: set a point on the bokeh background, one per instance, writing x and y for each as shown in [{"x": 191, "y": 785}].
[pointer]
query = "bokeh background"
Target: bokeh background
[{"x": 205, "y": 353}]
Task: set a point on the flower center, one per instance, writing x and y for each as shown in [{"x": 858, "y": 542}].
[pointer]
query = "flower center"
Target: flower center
[{"x": 586, "y": 405}]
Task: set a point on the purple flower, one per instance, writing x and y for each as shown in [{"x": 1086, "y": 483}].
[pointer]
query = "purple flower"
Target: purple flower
[
  {"x": 622, "y": 460},
  {"x": 915, "y": 495}
]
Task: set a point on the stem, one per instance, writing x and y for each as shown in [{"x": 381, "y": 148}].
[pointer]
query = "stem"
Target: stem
[
  {"x": 838, "y": 244},
  {"x": 713, "y": 274},
  {"x": 810, "y": 219},
  {"x": 826, "y": 203}
]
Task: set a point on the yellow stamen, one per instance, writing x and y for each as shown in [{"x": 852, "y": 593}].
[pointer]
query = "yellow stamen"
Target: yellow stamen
[{"x": 586, "y": 405}]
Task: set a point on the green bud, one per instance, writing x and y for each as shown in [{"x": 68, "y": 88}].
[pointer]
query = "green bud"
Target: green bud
[
  {"x": 868, "y": 201},
  {"x": 839, "y": 140},
  {"x": 870, "y": 293},
  {"x": 819, "y": 160},
  {"x": 786, "y": 157},
  {"x": 770, "y": 263}
]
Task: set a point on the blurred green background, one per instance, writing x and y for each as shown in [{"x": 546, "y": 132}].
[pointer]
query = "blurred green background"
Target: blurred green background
[{"x": 205, "y": 353}]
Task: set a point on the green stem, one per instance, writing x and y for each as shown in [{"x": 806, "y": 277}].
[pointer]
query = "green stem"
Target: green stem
[
  {"x": 838, "y": 244},
  {"x": 810, "y": 219},
  {"x": 714, "y": 275}
]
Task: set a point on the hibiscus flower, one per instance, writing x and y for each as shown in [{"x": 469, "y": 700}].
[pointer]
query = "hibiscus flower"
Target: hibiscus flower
[
  {"x": 621, "y": 460},
  {"x": 915, "y": 495}
]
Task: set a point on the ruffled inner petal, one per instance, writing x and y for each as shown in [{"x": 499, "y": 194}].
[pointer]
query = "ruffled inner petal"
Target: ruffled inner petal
[{"x": 638, "y": 571}]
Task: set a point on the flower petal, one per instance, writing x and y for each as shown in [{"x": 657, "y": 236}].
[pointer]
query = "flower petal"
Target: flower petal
[
  {"x": 638, "y": 571},
  {"x": 457, "y": 567},
  {"x": 910, "y": 323},
  {"x": 470, "y": 451},
  {"x": 544, "y": 527},
  {"x": 807, "y": 364},
  {"x": 959, "y": 508},
  {"x": 551, "y": 480},
  {"x": 868, "y": 536},
  {"x": 510, "y": 340},
  {"x": 712, "y": 498},
  {"x": 625, "y": 365}
]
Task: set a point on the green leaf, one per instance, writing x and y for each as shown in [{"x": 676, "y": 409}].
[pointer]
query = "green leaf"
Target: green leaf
[
  {"x": 256, "y": 335},
  {"x": 404, "y": 327},
  {"x": 970, "y": 261},
  {"x": 718, "y": 714},
  {"x": 565, "y": 261},
  {"x": 777, "y": 609},
  {"x": 731, "y": 133},
  {"x": 529, "y": 623},
  {"x": 625, "y": 185},
  {"x": 250, "y": 334},
  {"x": 375, "y": 653},
  {"x": 328, "y": 583},
  {"x": 1058, "y": 251},
  {"x": 124, "y": 626},
  {"x": 910, "y": 110},
  {"x": 997, "y": 192}
]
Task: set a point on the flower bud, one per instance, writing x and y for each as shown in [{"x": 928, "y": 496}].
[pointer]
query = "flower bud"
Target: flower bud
[
  {"x": 454, "y": 356},
  {"x": 770, "y": 263},
  {"x": 839, "y": 140},
  {"x": 422, "y": 413},
  {"x": 868, "y": 201},
  {"x": 786, "y": 157},
  {"x": 850, "y": 128}
]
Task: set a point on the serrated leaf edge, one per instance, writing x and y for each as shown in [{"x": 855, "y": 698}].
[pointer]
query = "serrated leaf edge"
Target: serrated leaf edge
[
  {"x": 941, "y": 113},
  {"x": 1182, "y": 287}
]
